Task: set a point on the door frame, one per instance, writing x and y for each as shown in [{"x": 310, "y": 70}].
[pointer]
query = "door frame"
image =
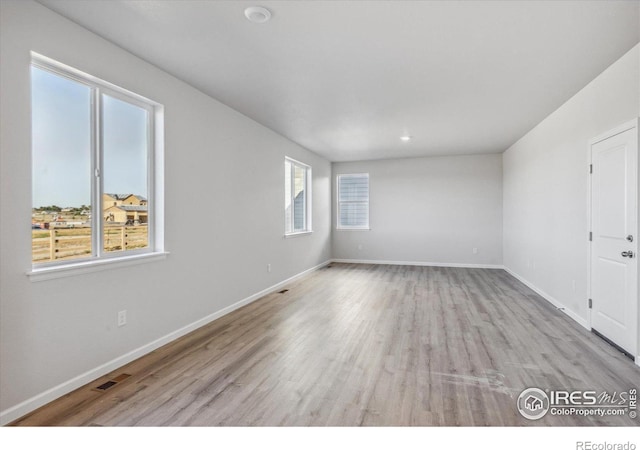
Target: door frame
[{"x": 635, "y": 123}]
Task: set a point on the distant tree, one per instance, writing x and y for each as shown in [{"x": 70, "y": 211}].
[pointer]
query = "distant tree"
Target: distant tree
[{"x": 49, "y": 208}]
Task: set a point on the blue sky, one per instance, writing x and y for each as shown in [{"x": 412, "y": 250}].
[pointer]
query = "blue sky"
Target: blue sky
[{"x": 61, "y": 136}]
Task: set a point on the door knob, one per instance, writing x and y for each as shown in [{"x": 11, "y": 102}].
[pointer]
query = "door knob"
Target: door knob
[{"x": 628, "y": 254}]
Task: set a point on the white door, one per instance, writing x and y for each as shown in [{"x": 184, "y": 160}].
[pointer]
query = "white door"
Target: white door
[{"x": 614, "y": 246}]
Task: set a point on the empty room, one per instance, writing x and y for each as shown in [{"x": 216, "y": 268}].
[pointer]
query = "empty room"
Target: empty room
[{"x": 319, "y": 213}]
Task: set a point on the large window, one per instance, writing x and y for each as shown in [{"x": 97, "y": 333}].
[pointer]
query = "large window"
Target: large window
[
  {"x": 353, "y": 201},
  {"x": 297, "y": 197},
  {"x": 93, "y": 149}
]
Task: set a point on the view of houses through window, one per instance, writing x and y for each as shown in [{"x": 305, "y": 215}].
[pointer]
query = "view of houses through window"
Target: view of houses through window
[
  {"x": 90, "y": 196},
  {"x": 297, "y": 182},
  {"x": 65, "y": 233}
]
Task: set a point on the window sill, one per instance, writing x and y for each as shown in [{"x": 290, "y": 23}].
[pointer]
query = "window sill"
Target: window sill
[
  {"x": 69, "y": 270},
  {"x": 352, "y": 229},
  {"x": 299, "y": 233}
]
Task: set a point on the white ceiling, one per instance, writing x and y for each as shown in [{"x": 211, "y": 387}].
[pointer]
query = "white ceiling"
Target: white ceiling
[{"x": 346, "y": 79}]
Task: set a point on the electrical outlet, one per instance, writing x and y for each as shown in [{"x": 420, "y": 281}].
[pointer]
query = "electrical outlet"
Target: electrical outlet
[
  {"x": 122, "y": 318},
  {"x": 269, "y": 268},
  {"x": 475, "y": 250},
  {"x": 359, "y": 246}
]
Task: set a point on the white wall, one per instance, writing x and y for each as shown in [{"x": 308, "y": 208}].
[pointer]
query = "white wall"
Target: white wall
[
  {"x": 224, "y": 219},
  {"x": 546, "y": 182},
  {"x": 428, "y": 210}
]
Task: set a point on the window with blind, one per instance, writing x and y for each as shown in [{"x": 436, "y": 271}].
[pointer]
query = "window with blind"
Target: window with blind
[
  {"x": 297, "y": 197},
  {"x": 353, "y": 201}
]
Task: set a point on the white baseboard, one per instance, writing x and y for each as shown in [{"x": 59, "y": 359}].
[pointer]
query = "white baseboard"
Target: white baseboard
[
  {"x": 583, "y": 322},
  {"x": 418, "y": 263},
  {"x": 19, "y": 410}
]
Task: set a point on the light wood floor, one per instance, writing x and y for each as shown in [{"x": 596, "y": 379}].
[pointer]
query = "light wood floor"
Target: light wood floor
[{"x": 362, "y": 345}]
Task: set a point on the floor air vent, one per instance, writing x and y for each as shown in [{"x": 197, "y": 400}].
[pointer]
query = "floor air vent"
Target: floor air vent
[
  {"x": 283, "y": 291},
  {"x": 107, "y": 385},
  {"x": 111, "y": 383}
]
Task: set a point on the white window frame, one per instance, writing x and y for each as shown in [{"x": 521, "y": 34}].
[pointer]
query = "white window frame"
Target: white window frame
[
  {"x": 307, "y": 201},
  {"x": 339, "y": 203},
  {"x": 155, "y": 177}
]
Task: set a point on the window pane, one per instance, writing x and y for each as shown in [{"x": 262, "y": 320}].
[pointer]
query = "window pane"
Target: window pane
[
  {"x": 354, "y": 188},
  {"x": 299, "y": 207},
  {"x": 125, "y": 163},
  {"x": 353, "y": 200},
  {"x": 61, "y": 167},
  {"x": 297, "y": 187},
  {"x": 354, "y": 214},
  {"x": 287, "y": 198}
]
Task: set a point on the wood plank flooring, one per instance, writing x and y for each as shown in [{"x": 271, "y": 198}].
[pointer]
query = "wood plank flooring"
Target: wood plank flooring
[{"x": 371, "y": 345}]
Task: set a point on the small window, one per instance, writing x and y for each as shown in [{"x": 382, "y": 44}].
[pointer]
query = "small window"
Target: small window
[
  {"x": 297, "y": 197},
  {"x": 93, "y": 146},
  {"x": 353, "y": 201}
]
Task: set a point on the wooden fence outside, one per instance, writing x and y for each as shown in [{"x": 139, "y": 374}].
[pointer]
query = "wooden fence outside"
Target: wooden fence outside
[{"x": 68, "y": 243}]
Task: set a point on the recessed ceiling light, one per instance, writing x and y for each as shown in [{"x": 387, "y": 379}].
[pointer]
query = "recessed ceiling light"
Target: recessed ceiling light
[
  {"x": 257, "y": 14},
  {"x": 405, "y": 138}
]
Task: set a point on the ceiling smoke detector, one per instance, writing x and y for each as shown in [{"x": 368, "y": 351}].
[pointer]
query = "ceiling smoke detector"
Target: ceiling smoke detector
[{"x": 257, "y": 14}]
